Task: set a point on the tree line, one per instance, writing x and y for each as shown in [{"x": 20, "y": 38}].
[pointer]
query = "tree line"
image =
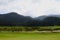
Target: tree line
[{"x": 28, "y": 29}]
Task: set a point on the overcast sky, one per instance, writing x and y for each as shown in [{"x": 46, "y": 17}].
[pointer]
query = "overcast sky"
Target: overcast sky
[{"x": 32, "y": 8}]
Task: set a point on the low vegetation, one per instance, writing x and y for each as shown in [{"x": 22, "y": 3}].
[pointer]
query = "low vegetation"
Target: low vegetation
[
  {"x": 29, "y": 33},
  {"x": 27, "y": 29}
]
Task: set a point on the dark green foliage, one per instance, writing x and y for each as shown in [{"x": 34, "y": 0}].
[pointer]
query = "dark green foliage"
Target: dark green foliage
[
  {"x": 14, "y": 19},
  {"x": 57, "y": 29},
  {"x": 51, "y": 21}
]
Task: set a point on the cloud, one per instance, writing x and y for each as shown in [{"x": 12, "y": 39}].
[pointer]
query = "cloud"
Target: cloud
[
  {"x": 57, "y": 0},
  {"x": 32, "y": 8}
]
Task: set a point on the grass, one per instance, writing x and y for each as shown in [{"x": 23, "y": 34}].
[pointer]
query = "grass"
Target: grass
[{"x": 29, "y": 36}]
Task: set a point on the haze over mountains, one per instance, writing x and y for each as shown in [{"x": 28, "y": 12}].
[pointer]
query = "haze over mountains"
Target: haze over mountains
[
  {"x": 33, "y": 8},
  {"x": 14, "y": 19}
]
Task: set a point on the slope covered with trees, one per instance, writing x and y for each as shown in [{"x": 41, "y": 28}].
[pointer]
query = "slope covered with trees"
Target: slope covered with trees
[{"x": 14, "y": 19}]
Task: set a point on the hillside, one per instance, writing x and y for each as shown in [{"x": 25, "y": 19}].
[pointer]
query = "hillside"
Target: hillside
[{"x": 14, "y": 19}]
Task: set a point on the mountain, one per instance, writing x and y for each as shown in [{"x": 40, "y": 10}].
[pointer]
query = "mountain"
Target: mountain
[
  {"x": 45, "y": 16},
  {"x": 13, "y": 19},
  {"x": 55, "y": 16},
  {"x": 40, "y": 17}
]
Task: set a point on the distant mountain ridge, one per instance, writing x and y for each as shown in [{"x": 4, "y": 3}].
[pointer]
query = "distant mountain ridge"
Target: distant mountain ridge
[
  {"x": 14, "y": 19},
  {"x": 44, "y": 16}
]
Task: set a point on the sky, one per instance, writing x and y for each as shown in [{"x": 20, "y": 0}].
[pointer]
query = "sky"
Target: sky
[{"x": 33, "y": 8}]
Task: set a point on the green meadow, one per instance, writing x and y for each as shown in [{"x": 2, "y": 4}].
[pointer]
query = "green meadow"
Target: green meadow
[
  {"x": 7, "y": 33},
  {"x": 29, "y": 36}
]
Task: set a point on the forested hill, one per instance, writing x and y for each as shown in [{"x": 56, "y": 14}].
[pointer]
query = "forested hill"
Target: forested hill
[{"x": 14, "y": 19}]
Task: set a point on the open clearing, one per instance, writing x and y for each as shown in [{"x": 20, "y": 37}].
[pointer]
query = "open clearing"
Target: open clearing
[{"x": 29, "y": 36}]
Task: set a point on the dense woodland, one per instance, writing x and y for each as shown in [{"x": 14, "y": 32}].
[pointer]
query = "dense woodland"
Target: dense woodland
[{"x": 14, "y": 19}]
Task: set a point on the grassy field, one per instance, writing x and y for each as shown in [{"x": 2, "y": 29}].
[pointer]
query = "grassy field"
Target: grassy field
[{"x": 29, "y": 36}]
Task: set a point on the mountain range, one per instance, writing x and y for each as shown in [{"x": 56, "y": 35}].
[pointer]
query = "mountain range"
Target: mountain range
[{"x": 14, "y": 19}]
